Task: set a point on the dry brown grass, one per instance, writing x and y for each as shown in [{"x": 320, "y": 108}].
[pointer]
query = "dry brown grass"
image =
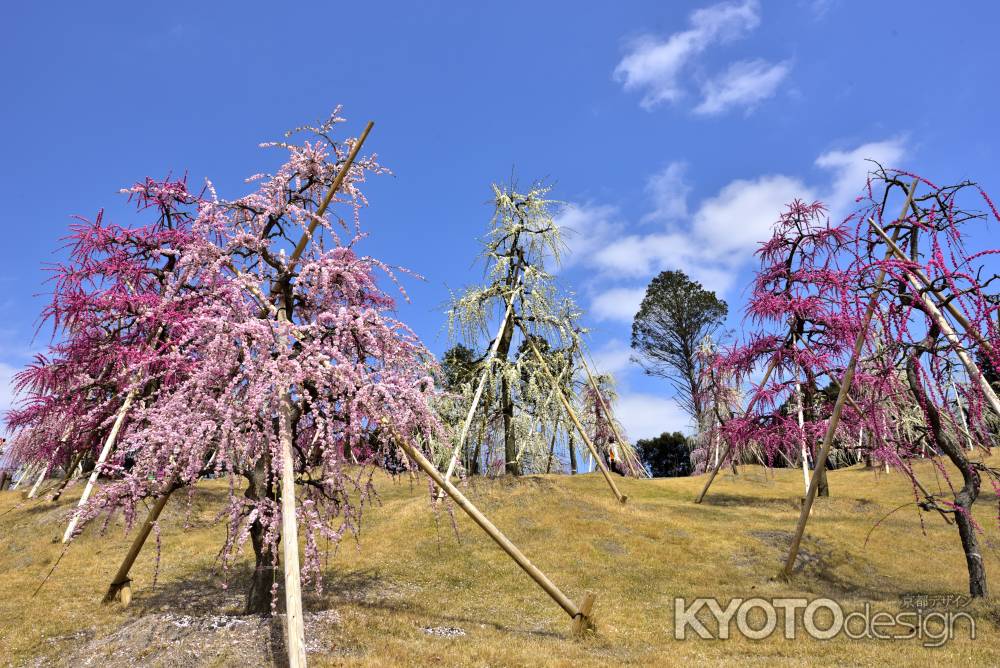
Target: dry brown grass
[{"x": 411, "y": 572}]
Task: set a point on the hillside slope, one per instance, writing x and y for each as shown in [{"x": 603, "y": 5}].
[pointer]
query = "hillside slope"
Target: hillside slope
[{"x": 413, "y": 591}]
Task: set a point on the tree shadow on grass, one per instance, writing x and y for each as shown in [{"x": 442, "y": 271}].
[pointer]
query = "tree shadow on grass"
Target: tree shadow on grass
[
  {"x": 197, "y": 611},
  {"x": 816, "y": 567}
]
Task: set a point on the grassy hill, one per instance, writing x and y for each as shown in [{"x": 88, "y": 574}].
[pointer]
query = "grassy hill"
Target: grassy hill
[{"x": 415, "y": 591}]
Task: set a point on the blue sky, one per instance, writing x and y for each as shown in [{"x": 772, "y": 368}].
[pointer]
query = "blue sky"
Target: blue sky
[{"x": 673, "y": 131}]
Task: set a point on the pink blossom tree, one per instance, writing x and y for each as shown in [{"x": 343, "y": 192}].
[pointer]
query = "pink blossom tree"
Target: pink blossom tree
[{"x": 254, "y": 342}]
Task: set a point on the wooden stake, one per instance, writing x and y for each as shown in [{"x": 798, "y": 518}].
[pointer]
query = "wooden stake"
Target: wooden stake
[
  {"x": 27, "y": 471},
  {"x": 294, "y": 625},
  {"x": 105, "y": 452},
  {"x": 961, "y": 415},
  {"x": 845, "y": 383},
  {"x": 572, "y": 414},
  {"x": 582, "y": 621},
  {"x": 922, "y": 277},
  {"x": 74, "y": 464},
  {"x": 505, "y": 544},
  {"x": 121, "y": 584},
  {"x": 337, "y": 182}
]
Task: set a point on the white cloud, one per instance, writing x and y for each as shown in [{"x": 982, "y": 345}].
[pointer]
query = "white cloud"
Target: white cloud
[
  {"x": 618, "y": 303},
  {"x": 744, "y": 84},
  {"x": 850, "y": 168},
  {"x": 714, "y": 243},
  {"x": 668, "y": 190},
  {"x": 741, "y": 215},
  {"x": 614, "y": 357},
  {"x": 655, "y": 65},
  {"x": 585, "y": 227},
  {"x": 648, "y": 415}
]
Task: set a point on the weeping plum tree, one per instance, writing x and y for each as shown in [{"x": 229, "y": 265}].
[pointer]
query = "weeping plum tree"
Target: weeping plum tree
[
  {"x": 115, "y": 299},
  {"x": 522, "y": 236},
  {"x": 933, "y": 307},
  {"x": 251, "y": 347},
  {"x": 798, "y": 307},
  {"x": 824, "y": 285}
]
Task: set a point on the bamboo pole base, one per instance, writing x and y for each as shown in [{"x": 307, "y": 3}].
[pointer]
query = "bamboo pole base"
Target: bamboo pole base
[
  {"x": 119, "y": 591},
  {"x": 583, "y": 622}
]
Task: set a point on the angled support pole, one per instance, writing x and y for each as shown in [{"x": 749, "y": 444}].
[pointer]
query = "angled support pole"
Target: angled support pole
[
  {"x": 916, "y": 280},
  {"x": 600, "y": 395},
  {"x": 729, "y": 446},
  {"x": 487, "y": 365},
  {"x": 922, "y": 277},
  {"x": 109, "y": 443},
  {"x": 579, "y": 614},
  {"x": 572, "y": 415},
  {"x": 294, "y": 623},
  {"x": 74, "y": 463},
  {"x": 38, "y": 481},
  {"x": 121, "y": 585},
  {"x": 842, "y": 394}
]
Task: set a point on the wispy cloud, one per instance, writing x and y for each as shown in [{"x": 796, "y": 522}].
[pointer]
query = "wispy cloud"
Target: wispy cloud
[
  {"x": 668, "y": 190},
  {"x": 657, "y": 66},
  {"x": 617, "y": 303},
  {"x": 744, "y": 84},
  {"x": 584, "y": 227},
  {"x": 613, "y": 357},
  {"x": 716, "y": 241}
]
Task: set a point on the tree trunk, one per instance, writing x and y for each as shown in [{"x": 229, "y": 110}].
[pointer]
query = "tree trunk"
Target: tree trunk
[
  {"x": 266, "y": 571},
  {"x": 552, "y": 452},
  {"x": 507, "y": 406},
  {"x": 966, "y": 496},
  {"x": 572, "y": 454},
  {"x": 474, "y": 467}
]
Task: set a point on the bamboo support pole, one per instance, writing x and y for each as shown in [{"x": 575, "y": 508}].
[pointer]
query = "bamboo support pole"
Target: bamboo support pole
[
  {"x": 961, "y": 415},
  {"x": 604, "y": 404},
  {"x": 109, "y": 443},
  {"x": 467, "y": 424},
  {"x": 581, "y": 618},
  {"x": 294, "y": 623},
  {"x": 121, "y": 585},
  {"x": 71, "y": 470},
  {"x": 802, "y": 424},
  {"x": 922, "y": 277},
  {"x": 938, "y": 317},
  {"x": 38, "y": 481},
  {"x": 321, "y": 209},
  {"x": 572, "y": 414},
  {"x": 729, "y": 447},
  {"x": 845, "y": 383},
  {"x": 27, "y": 472}
]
